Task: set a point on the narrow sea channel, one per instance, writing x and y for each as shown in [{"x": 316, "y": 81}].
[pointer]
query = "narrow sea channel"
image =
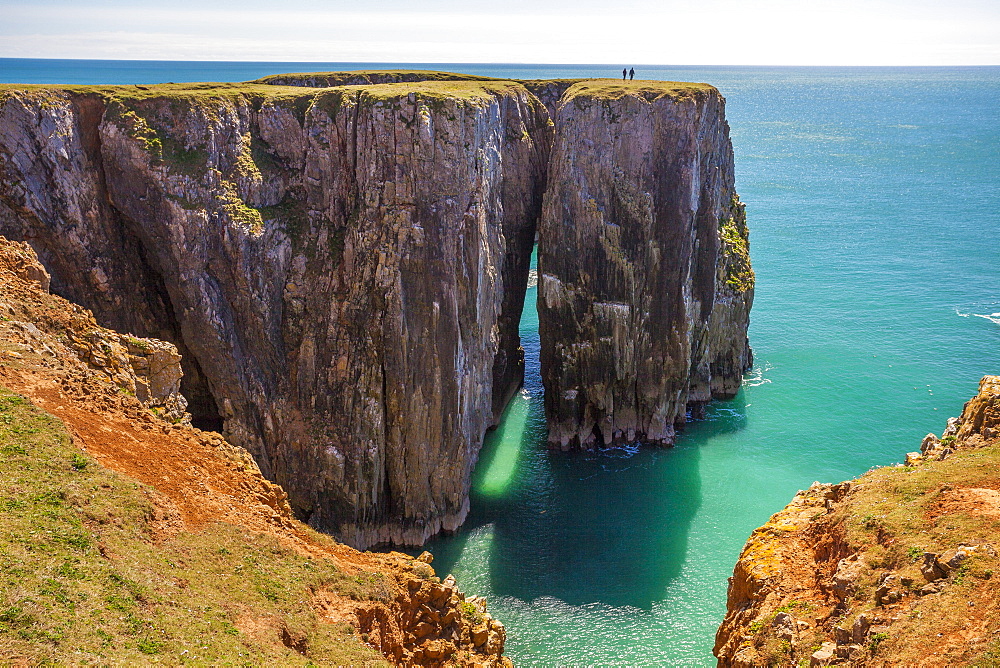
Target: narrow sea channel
[{"x": 875, "y": 234}]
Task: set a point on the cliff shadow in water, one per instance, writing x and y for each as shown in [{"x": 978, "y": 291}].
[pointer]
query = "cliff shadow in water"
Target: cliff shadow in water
[{"x": 605, "y": 527}]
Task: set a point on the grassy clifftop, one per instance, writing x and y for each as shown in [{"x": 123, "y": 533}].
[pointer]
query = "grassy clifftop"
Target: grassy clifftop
[
  {"x": 613, "y": 89},
  {"x": 897, "y": 567},
  {"x": 363, "y": 78}
]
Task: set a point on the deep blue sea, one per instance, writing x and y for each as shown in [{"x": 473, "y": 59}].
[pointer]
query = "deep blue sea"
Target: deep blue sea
[{"x": 873, "y": 199}]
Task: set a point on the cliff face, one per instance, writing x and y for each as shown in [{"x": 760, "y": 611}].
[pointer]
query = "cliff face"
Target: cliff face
[
  {"x": 347, "y": 268},
  {"x": 896, "y": 567},
  {"x": 644, "y": 278},
  {"x": 342, "y": 269}
]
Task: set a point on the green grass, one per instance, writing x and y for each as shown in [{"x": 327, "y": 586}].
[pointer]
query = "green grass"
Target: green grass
[
  {"x": 735, "y": 238},
  {"x": 895, "y": 515},
  {"x": 331, "y": 79},
  {"x": 614, "y": 89},
  {"x": 188, "y": 161},
  {"x": 82, "y": 582}
]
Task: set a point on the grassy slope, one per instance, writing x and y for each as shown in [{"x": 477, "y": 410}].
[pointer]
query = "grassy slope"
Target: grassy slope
[
  {"x": 83, "y": 581},
  {"x": 898, "y": 513}
]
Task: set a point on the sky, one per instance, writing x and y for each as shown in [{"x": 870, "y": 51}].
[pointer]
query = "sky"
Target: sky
[{"x": 663, "y": 32}]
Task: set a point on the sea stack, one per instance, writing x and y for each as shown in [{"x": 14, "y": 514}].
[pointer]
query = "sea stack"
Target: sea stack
[{"x": 645, "y": 283}]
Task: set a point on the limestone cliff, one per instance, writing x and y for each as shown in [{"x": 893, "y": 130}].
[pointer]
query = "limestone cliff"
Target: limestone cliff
[
  {"x": 897, "y": 567},
  {"x": 345, "y": 267},
  {"x": 342, "y": 268},
  {"x": 645, "y": 285}
]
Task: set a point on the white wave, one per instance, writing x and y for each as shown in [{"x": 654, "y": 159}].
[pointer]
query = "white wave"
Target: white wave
[
  {"x": 716, "y": 413},
  {"x": 756, "y": 376},
  {"x": 992, "y": 317}
]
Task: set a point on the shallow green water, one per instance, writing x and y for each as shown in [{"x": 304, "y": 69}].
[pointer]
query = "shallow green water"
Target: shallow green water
[{"x": 873, "y": 209}]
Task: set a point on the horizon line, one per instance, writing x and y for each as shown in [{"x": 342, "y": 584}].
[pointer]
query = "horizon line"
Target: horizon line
[{"x": 482, "y": 63}]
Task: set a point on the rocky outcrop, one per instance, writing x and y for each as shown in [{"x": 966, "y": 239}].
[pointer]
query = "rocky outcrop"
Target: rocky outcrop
[
  {"x": 346, "y": 268},
  {"x": 34, "y": 324},
  {"x": 645, "y": 284},
  {"x": 429, "y": 622},
  {"x": 896, "y": 567}
]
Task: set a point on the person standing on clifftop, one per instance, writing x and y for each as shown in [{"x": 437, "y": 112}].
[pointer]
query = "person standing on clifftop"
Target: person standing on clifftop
[
  {"x": 631, "y": 74},
  {"x": 623, "y": 74}
]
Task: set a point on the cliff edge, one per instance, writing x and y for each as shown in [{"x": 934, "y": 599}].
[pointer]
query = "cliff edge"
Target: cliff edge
[
  {"x": 341, "y": 263},
  {"x": 897, "y": 567}
]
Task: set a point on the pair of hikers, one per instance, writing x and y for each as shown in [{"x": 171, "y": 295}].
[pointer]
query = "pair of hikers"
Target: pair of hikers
[{"x": 630, "y": 73}]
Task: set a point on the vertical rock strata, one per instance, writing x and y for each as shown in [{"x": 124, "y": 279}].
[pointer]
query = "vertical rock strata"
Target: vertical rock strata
[
  {"x": 645, "y": 284},
  {"x": 346, "y": 267}
]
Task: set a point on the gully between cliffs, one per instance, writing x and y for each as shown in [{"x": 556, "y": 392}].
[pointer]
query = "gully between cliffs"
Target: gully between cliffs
[{"x": 344, "y": 268}]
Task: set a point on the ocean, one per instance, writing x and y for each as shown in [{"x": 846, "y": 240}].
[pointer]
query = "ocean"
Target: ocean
[{"x": 873, "y": 203}]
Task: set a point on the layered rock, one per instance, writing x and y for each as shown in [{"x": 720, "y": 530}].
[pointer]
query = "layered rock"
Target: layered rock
[
  {"x": 645, "y": 285},
  {"x": 345, "y": 267},
  {"x": 874, "y": 571}
]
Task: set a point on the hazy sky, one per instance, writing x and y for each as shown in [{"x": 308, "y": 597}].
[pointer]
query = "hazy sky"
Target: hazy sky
[{"x": 701, "y": 32}]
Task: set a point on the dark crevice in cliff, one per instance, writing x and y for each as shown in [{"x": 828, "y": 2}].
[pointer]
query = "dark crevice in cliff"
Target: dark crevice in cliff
[{"x": 154, "y": 315}]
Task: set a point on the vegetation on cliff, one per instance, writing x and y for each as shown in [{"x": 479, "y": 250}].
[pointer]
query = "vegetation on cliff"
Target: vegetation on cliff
[
  {"x": 589, "y": 90},
  {"x": 735, "y": 237},
  {"x": 896, "y": 567},
  {"x": 343, "y": 268},
  {"x": 85, "y": 578}
]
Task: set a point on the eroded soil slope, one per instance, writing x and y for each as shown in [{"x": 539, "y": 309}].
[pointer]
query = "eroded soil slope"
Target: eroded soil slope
[{"x": 172, "y": 544}]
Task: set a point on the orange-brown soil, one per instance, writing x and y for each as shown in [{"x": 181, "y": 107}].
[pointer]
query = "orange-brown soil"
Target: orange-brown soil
[{"x": 896, "y": 568}]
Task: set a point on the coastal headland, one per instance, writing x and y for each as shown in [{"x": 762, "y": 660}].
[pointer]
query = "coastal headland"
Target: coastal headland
[{"x": 340, "y": 260}]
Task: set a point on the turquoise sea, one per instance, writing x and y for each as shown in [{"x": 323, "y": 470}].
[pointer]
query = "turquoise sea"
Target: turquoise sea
[{"x": 873, "y": 198}]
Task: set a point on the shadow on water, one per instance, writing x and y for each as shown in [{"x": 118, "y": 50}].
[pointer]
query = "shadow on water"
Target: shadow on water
[{"x": 609, "y": 527}]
